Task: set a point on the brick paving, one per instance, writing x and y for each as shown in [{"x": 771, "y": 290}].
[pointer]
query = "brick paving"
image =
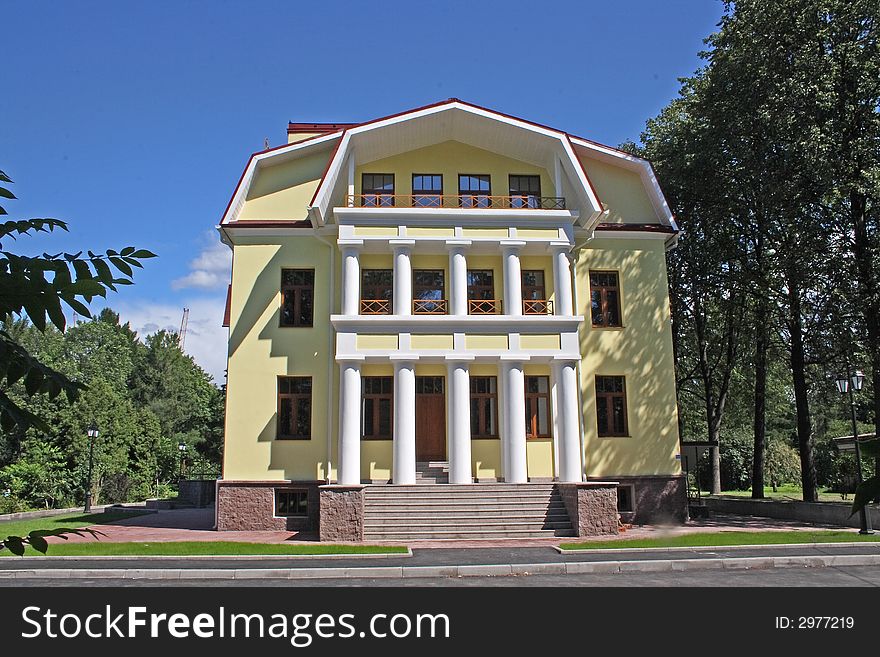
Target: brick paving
[{"x": 197, "y": 524}]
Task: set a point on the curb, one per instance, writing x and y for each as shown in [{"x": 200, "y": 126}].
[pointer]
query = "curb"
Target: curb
[
  {"x": 213, "y": 557},
  {"x": 707, "y": 548},
  {"x": 490, "y": 570}
]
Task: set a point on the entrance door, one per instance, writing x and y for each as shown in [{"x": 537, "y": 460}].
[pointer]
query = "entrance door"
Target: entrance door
[{"x": 430, "y": 419}]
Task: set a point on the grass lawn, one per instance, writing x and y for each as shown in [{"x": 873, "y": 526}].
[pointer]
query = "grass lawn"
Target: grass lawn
[
  {"x": 729, "y": 538},
  {"x": 72, "y": 520},
  {"x": 205, "y": 548}
]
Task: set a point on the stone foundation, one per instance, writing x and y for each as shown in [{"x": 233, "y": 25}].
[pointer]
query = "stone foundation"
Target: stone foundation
[
  {"x": 342, "y": 513},
  {"x": 250, "y": 506},
  {"x": 591, "y": 506},
  {"x": 659, "y": 499}
]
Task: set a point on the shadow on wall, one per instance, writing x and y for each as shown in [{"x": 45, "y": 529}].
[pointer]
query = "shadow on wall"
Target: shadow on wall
[{"x": 642, "y": 353}]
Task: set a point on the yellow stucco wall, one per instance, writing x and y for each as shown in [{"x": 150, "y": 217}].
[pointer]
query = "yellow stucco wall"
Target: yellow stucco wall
[
  {"x": 284, "y": 191},
  {"x": 451, "y": 158},
  {"x": 641, "y": 352},
  {"x": 260, "y": 350},
  {"x": 621, "y": 191}
]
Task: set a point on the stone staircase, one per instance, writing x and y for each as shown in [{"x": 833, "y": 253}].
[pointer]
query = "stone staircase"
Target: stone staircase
[
  {"x": 464, "y": 511},
  {"x": 432, "y": 472}
]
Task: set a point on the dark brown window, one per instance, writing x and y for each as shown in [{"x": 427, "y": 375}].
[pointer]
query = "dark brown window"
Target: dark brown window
[
  {"x": 297, "y": 297},
  {"x": 377, "y": 291},
  {"x": 291, "y": 502},
  {"x": 474, "y": 190},
  {"x": 611, "y": 406},
  {"x": 427, "y": 189},
  {"x": 525, "y": 191},
  {"x": 537, "y": 407},
  {"x": 378, "y": 405},
  {"x": 604, "y": 298},
  {"x": 295, "y": 407},
  {"x": 428, "y": 292},
  {"x": 484, "y": 407},
  {"x": 481, "y": 292},
  {"x": 377, "y": 189},
  {"x": 534, "y": 294}
]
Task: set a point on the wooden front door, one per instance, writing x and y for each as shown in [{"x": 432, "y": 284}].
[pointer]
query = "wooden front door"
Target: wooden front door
[{"x": 430, "y": 418}]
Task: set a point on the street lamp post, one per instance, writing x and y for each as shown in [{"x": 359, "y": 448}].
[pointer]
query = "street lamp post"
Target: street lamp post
[
  {"x": 846, "y": 384},
  {"x": 182, "y": 449},
  {"x": 92, "y": 433}
]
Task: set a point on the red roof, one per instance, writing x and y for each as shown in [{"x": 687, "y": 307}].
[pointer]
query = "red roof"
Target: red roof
[{"x": 319, "y": 128}]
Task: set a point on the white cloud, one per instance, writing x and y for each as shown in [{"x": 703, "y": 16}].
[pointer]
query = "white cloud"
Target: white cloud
[
  {"x": 206, "y": 339},
  {"x": 210, "y": 269}
]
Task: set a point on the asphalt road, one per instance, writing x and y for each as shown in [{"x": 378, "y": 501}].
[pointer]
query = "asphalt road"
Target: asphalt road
[{"x": 860, "y": 576}]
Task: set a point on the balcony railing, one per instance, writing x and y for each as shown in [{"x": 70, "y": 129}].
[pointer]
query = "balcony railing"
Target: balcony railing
[
  {"x": 375, "y": 307},
  {"x": 537, "y": 307},
  {"x": 471, "y": 201},
  {"x": 484, "y": 306},
  {"x": 429, "y": 307}
]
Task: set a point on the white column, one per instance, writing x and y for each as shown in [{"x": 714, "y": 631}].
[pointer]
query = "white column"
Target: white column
[
  {"x": 515, "y": 466},
  {"x": 562, "y": 280},
  {"x": 570, "y": 468},
  {"x": 460, "y": 471},
  {"x": 403, "y": 465},
  {"x": 349, "y": 423},
  {"x": 512, "y": 278},
  {"x": 351, "y": 277},
  {"x": 402, "y": 276},
  {"x": 458, "y": 278}
]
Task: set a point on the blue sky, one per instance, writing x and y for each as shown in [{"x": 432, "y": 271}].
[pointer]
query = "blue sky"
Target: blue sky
[{"x": 132, "y": 121}]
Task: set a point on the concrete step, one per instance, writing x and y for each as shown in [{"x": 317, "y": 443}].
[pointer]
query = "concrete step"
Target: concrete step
[
  {"x": 461, "y": 534},
  {"x": 462, "y": 507},
  {"x": 466, "y": 523},
  {"x": 460, "y": 499}
]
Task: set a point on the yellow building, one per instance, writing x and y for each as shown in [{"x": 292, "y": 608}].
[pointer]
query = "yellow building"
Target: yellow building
[{"x": 448, "y": 296}]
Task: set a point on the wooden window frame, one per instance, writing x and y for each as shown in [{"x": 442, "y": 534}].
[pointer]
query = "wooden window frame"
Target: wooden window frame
[
  {"x": 524, "y": 196},
  {"x": 543, "y": 286},
  {"x": 603, "y": 299},
  {"x": 293, "y": 397},
  {"x": 387, "y": 202},
  {"x": 376, "y": 396},
  {"x": 427, "y": 194},
  {"x": 300, "y": 493},
  {"x": 631, "y": 493},
  {"x": 296, "y": 290},
  {"x": 481, "y": 422},
  {"x": 470, "y": 193},
  {"x": 607, "y": 398},
  {"x": 373, "y": 296},
  {"x": 537, "y": 397}
]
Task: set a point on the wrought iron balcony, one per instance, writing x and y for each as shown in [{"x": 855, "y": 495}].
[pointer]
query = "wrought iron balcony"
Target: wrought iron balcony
[{"x": 468, "y": 201}]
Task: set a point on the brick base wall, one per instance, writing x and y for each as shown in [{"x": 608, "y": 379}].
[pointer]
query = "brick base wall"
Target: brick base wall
[
  {"x": 592, "y": 507},
  {"x": 250, "y": 506},
  {"x": 342, "y": 513},
  {"x": 657, "y": 499}
]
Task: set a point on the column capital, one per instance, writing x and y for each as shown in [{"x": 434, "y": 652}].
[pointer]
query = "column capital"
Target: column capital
[
  {"x": 453, "y": 245},
  {"x": 512, "y": 244},
  {"x": 350, "y": 359},
  {"x": 401, "y": 243},
  {"x": 402, "y": 360},
  {"x": 556, "y": 247},
  {"x": 464, "y": 359},
  {"x": 346, "y": 243}
]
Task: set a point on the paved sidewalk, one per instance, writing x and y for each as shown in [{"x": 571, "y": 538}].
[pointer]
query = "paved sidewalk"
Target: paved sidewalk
[{"x": 196, "y": 525}]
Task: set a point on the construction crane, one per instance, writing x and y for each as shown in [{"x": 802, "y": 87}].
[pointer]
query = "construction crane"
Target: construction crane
[{"x": 181, "y": 334}]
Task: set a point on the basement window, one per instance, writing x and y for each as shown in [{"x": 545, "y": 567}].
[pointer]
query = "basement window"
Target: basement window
[
  {"x": 291, "y": 502},
  {"x": 625, "y": 499}
]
